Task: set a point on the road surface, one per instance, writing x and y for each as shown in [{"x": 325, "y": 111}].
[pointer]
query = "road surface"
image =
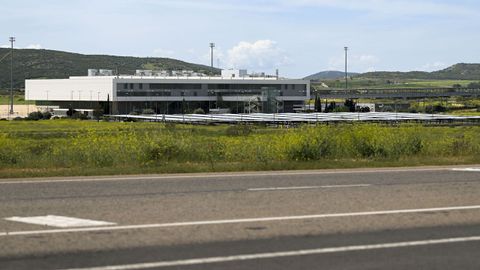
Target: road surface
[{"x": 406, "y": 218}]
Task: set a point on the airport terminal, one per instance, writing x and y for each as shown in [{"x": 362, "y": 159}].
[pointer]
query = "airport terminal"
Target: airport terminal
[{"x": 171, "y": 92}]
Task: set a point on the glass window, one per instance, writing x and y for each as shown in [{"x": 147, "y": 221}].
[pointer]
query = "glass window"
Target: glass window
[{"x": 179, "y": 86}]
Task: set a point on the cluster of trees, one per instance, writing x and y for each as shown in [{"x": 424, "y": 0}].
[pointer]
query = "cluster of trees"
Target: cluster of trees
[
  {"x": 435, "y": 109},
  {"x": 71, "y": 113},
  {"x": 39, "y": 116},
  {"x": 348, "y": 106}
]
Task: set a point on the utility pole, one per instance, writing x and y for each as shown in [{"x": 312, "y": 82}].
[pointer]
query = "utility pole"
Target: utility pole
[
  {"x": 346, "y": 67},
  {"x": 212, "y": 45},
  {"x": 12, "y": 40}
]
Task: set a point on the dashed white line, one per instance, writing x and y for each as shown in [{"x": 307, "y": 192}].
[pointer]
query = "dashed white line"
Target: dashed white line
[
  {"x": 245, "y": 220},
  {"x": 282, "y": 254},
  {"x": 60, "y": 221},
  {"x": 307, "y": 187},
  {"x": 466, "y": 169}
]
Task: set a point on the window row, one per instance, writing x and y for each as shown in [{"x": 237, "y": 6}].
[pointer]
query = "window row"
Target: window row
[{"x": 195, "y": 86}]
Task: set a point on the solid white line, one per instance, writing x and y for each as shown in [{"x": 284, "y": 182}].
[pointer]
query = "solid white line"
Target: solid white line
[
  {"x": 247, "y": 174},
  {"x": 60, "y": 221},
  {"x": 282, "y": 254},
  {"x": 245, "y": 220},
  {"x": 306, "y": 187}
]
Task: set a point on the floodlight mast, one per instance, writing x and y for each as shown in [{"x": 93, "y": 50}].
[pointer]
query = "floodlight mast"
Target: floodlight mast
[
  {"x": 346, "y": 67},
  {"x": 12, "y": 40},
  {"x": 212, "y": 45}
]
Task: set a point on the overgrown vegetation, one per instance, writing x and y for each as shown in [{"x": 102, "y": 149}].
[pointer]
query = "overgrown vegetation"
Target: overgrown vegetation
[{"x": 69, "y": 147}]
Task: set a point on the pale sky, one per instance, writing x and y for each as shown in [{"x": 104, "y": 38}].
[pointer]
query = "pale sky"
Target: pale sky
[{"x": 299, "y": 37}]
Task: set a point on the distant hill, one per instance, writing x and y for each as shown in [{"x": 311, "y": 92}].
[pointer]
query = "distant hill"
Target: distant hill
[
  {"x": 49, "y": 64},
  {"x": 456, "y": 72},
  {"x": 328, "y": 75}
]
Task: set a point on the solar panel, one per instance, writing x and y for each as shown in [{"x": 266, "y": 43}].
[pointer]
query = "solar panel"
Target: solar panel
[{"x": 298, "y": 117}]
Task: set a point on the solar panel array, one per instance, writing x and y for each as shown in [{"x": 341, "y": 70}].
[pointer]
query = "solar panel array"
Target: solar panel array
[{"x": 298, "y": 117}]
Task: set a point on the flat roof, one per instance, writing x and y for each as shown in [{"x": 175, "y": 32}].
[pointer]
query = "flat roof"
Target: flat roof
[{"x": 184, "y": 78}]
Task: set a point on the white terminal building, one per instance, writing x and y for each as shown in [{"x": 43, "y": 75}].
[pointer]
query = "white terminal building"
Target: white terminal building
[{"x": 171, "y": 92}]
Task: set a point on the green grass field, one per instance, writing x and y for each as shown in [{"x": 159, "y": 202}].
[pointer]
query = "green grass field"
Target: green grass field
[
  {"x": 382, "y": 83},
  {"x": 69, "y": 147},
  {"x": 17, "y": 100}
]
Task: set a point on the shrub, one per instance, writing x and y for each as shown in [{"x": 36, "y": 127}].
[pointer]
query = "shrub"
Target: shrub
[
  {"x": 79, "y": 116},
  {"x": 47, "y": 115},
  {"x": 148, "y": 111},
  {"x": 199, "y": 111},
  {"x": 315, "y": 149},
  {"x": 435, "y": 109},
  {"x": 341, "y": 109},
  {"x": 311, "y": 144},
  {"x": 35, "y": 116},
  {"x": 239, "y": 130},
  {"x": 365, "y": 109}
]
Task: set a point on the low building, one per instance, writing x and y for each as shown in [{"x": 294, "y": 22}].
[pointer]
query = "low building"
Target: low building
[{"x": 171, "y": 93}]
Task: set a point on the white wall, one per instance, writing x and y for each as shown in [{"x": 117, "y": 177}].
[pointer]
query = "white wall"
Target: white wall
[
  {"x": 75, "y": 88},
  {"x": 88, "y": 88}
]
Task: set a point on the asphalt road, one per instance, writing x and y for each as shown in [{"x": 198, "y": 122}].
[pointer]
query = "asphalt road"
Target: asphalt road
[{"x": 411, "y": 218}]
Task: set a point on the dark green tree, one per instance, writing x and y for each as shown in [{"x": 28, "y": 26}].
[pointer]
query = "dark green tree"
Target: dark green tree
[
  {"x": 97, "y": 112},
  {"x": 71, "y": 112},
  {"x": 106, "y": 109},
  {"x": 350, "y": 104},
  {"x": 318, "y": 104}
]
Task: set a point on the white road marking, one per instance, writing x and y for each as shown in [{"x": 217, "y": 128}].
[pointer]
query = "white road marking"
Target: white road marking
[
  {"x": 306, "y": 187},
  {"x": 282, "y": 254},
  {"x": 466, "y": 169},
  {"x": 60, "y": 221},
  {"x": 225, "y": 176},
  {"x": 245, "y": 220}
]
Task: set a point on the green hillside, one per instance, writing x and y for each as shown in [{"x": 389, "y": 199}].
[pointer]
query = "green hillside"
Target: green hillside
[
  {"x": 49, "y": 64},
  {"x": 328, "y": 75},
  {"x": 456, "y": 72}
]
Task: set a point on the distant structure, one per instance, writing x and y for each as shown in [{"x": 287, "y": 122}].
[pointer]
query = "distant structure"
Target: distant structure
[
  {"x": 171, "y": 92},
  {"x": 212, "y": 45},
  {"x": 100, "y": 72}
]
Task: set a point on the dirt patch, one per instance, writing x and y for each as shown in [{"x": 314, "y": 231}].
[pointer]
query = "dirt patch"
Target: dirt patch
[{"x": 19, "y": 111}]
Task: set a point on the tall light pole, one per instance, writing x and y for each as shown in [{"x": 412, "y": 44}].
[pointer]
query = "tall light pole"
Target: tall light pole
[
  {"x": 212, "y": 45},
  {"x": 346, "y": 67},
  {"x": 12, "y": 40}
]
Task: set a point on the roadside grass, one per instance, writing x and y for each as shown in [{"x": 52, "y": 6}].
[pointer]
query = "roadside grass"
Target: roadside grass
[
  {"x": 189, "y": 167},
  {"x": 70, "y": 147},
  {"x": 472, "y": 112}
]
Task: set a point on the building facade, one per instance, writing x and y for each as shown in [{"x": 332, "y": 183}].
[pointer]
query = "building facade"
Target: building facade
[{"x": 234, "y": 92}]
